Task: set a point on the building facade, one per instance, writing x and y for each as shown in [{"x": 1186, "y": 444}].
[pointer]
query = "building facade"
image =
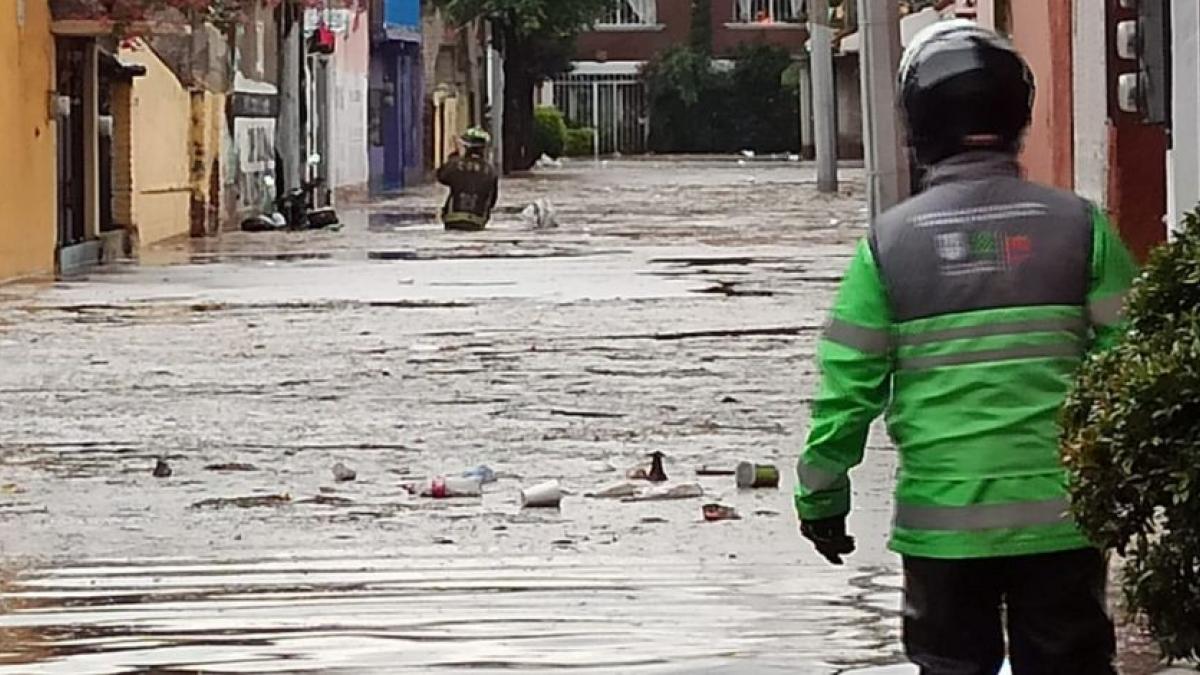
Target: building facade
[
  {"x": 604, "y": 90},
  {"x": 395, "y": 98},
  {"x": 29, "y": 117}
]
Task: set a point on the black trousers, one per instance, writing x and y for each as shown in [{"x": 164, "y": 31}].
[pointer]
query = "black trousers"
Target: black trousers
[{"x": 955, "y": 613}]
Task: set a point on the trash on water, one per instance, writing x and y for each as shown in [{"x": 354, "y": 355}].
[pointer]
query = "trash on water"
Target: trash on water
[
  {"x": 714, "y": 471},
  {"x": 617, "y": 491},
  {"x": 231, "y": 466},
  {"x": 685, "y": 491},
  {"x": 654, "y": 474},
  {"x": 751, "y": 475},
  {"x": 542, "y": 495},
  {"x": 540, "y": 215},
  {"x": 715, "y": 512},
  {"x": 657, "y": 474},
  {"x": 548, "y": 162},
  {"x": 448, "y": 487},
  {"x": 252, "y": 502},
  {"x": 482, "y": 473},
  {"x": 327, "y": 500},
  {"x": 162, "y": 469},
  {"x": 343, "y": 473}
]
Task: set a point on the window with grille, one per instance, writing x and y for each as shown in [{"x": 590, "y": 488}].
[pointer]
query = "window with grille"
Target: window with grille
[
  {"x": 768, "y": 11},
  {"x": 631, "y": 13}
]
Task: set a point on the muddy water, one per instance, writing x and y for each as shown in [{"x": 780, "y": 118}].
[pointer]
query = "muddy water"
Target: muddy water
[
  {"x": 676, "y": 310},
  {"x": 422, "y": 612}
]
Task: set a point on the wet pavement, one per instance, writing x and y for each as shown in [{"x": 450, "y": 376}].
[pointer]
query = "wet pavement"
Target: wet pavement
[{"x": 676, "y": 309}]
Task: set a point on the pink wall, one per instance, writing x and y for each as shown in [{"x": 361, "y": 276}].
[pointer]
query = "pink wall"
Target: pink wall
[{"x": 1041, "y": 29}]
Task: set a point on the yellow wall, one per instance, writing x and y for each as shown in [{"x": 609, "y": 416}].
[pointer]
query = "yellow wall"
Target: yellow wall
[
  {"x": 160, "y": 125},
  {"x": 208, "y": 125},
  {"x": 28, "y": 188}
]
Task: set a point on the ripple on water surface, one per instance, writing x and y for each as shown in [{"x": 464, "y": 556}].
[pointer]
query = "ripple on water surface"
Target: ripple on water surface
[{"x": 421, "y": 613}]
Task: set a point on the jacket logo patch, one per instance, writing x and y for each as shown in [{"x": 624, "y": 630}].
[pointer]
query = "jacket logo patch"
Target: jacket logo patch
[
  {"x": 952, "y": 247},
  {"x": 971, "y": 252},
  {"x": 1017, "y": 249}
]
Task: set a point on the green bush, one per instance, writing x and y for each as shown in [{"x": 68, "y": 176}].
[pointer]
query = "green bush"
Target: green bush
[
  {"x": 549, "y": 132},
  {"x": 696, "y": 107},
  {"x": 1132, "y": 444},
  {"x": 580, "y": 142}
]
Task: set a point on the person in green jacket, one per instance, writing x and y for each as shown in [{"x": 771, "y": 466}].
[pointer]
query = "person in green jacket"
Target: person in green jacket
[
  {"x": 964, "y": 316},
  {"x": 473, "y": 182}
]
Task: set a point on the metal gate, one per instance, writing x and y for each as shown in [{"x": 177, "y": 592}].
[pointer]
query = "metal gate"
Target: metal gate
[{"x": 613, "y": 105}]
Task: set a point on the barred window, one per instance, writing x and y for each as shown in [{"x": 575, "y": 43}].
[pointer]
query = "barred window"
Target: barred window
[
  {"x": 768, "y": 11},
  {"x": 631, "y": 13}
]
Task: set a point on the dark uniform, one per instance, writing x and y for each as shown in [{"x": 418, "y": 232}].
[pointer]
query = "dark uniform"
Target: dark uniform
[{"x": 474, "y": 189}]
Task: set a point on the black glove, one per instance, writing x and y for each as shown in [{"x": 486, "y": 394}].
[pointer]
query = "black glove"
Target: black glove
[{"x": 829, "y": 537}]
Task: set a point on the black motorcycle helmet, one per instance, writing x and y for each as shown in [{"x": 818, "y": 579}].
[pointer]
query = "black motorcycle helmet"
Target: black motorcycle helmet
[{"x": 963, "y": 87}]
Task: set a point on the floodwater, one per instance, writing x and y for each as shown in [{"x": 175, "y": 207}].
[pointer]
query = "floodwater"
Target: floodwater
[{"x": 676, "y": 309}]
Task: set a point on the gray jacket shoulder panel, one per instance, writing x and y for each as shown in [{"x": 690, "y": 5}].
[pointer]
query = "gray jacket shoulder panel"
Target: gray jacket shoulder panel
[{"x": 984, "y": 244}]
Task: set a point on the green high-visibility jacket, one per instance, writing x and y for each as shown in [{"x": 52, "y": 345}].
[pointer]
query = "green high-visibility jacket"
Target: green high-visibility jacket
[{"x": 964, "y": 316}]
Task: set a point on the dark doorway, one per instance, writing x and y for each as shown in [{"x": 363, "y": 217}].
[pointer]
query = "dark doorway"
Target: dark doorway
[{"x": 72, "y": 70}]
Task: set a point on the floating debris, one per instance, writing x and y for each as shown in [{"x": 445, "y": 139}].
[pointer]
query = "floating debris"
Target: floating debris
[
  {"x": 751, "y": 475},
  {"x": 542, "y": 495},
  {"x": 327, "y": 500},
  {"x": 685, "y": 491},
  {"x": 231, "y": 466},
  {"x": 657, "y": 474},
  {"x": 482, "y": 473},
  {"x": 162, "y": 469},
  {"x": 618, "y": 491},
  {"x": 714, "y": 471},
  {"x": 453, "y": 486},
  {"x": 256, "y": 501},
  {"x": 716, "y": 512},
  {"x": 343, "y": 473}
]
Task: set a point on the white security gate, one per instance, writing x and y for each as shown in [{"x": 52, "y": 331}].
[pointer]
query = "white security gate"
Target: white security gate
[{"x": 612, "y": 104}]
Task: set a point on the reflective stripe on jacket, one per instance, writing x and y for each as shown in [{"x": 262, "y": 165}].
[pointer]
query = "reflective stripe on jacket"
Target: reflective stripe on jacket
[{"x": 964, "y": 316}]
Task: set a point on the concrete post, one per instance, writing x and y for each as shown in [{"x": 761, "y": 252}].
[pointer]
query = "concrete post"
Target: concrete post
[
  {"x": 887, "y": 159},
  {"x": 1090, "y": 100},
  {"x": 495, "y": 74},
  {"x": 91, "y": 142},
  {"x": 288, "y": 131},
  {"x": 820, "y": 43},
  {"x": 1183, "y": 169},
  {"x": 806, "y": 110}
]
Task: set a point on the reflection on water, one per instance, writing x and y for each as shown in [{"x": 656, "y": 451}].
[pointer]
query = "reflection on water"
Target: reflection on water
[{"x": 416, "y": 613}]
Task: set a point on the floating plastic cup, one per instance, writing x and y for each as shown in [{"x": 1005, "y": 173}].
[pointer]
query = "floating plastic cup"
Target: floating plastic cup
[
  {"x": 751, "y": 475},
  {"x": 543, "y": 495}
]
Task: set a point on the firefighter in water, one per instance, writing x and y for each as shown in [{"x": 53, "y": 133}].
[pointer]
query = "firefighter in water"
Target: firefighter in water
[
  {"x": 473, "y": 182},
  {"x": 964, "y": 316}
]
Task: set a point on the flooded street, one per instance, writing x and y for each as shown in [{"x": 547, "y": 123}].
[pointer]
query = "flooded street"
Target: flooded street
[{"x": 676, "y": 309}]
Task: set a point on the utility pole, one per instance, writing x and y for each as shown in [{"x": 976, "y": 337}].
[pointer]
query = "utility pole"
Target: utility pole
[
  {"x": 806, "y": 110},
  {"x": 289, "y": 126},
  {"x": 495, "y": 94},
  {"x": 879, "y": 58},
  {"x": 820, "y": 44}
]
